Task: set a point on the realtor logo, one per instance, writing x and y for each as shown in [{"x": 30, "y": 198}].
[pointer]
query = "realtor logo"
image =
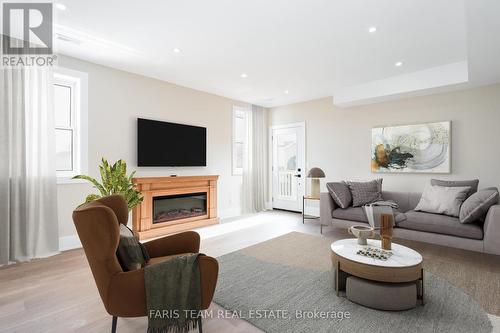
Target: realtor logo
[{"x": 27, "y": 28}]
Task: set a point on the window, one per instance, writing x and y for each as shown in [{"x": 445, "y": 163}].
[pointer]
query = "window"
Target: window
[
  {"x": 66, "y": 127},
  {"x": 69, "y": 111},
  {"x": 239, "y": 138}
]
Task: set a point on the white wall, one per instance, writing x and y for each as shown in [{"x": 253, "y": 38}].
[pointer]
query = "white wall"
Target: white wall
[
  {"x": 116, "y": 99},
  {"x": 338, "y": 140}
]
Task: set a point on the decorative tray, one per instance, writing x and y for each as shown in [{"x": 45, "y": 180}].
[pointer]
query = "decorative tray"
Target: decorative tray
[{"x": 375, "y": 253}]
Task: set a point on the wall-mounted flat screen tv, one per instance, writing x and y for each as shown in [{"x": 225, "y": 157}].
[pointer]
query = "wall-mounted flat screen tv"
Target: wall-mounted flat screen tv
[{"x": 168, "y": 144}]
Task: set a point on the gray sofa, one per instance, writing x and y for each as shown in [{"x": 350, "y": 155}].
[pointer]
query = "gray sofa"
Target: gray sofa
[{"x": 420, "y": 226}]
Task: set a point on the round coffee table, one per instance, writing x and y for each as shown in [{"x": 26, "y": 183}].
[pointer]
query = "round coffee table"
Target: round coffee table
[{"x": 404, "y": 265}]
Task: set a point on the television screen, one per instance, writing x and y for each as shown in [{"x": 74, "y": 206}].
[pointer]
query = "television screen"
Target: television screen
[{"x": 167, "y": 144}]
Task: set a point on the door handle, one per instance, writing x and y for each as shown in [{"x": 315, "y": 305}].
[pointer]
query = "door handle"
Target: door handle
[{"x": 298, "y": 175}]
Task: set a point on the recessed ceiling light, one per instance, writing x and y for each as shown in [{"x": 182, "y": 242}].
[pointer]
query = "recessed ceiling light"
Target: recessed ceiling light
[
  {"x": 286, "y": 92},
  {"x": 60, "y": 6},
  {"x": 398, "y": 64},
  {"x": 244, "y": 75},
  {"x": 372, "y": 30},
  {"x": 176, "y": 50}
]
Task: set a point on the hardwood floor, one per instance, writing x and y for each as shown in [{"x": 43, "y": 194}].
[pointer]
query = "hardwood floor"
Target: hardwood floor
[{"x": 58, "y": 294}]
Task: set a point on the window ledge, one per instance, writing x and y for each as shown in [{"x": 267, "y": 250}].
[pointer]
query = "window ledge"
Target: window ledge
[{"x": 69, "y": 180}]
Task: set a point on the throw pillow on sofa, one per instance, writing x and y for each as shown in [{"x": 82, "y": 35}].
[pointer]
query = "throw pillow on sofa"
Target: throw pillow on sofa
[
  {"x": 477, "y": 205},
  {"x": 364, "y": 193},
  {"x": 131, "y": 253},
  {"x": 340, "y": 193},
  {"x": 458, "y": 183},
  {"x": 442, "y": 200}
]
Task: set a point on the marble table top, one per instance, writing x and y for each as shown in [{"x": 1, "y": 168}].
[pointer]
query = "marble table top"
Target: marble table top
[{"x": 402, "y": 256}]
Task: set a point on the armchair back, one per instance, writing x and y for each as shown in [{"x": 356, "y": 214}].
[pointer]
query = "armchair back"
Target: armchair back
[{"x": 97, "y": 224}]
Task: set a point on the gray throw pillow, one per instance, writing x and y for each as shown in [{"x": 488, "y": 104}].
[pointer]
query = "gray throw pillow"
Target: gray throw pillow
[
  {"x": 477, "y": 205},
  {"x": 458, "y": 183},
  {"x": 364, "y": 193},
  {"x": 131, "y": 253},
  {"x": 340, "y": 193},
  {"x": 442, "y": 200}
]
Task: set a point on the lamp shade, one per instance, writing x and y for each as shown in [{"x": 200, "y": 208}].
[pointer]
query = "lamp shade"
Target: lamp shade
[{"x": 315, "y": 173}]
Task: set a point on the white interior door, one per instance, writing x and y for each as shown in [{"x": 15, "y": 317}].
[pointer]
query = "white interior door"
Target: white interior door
[{"x": 288, "y": 167}]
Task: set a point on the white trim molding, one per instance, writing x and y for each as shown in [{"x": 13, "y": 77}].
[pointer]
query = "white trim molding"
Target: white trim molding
[{"x": 79, "y": 81}]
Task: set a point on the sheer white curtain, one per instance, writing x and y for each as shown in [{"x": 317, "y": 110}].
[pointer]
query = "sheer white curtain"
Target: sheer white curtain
[
  {"x": 28, "y": 194},
  {"x": 255, "y": 161}
]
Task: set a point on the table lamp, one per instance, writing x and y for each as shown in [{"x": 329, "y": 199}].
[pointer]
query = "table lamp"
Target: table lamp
[{"x": 315, "y": 174}]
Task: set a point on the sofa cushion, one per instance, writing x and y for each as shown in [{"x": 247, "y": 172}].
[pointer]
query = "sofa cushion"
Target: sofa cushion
[
  {"x": 358, "y": 214},
  {"x": 365, "y": 192},
  {"x": 406, "y": 200},
  {"x": 340, "y": 193},
  {"x": 440, "y": 224},
  {"x": 477, "y": 205},
  {"x": 352, "y": 214},
  {"x": 442, "y": 200},
  {"x": 458, "y": 183}
]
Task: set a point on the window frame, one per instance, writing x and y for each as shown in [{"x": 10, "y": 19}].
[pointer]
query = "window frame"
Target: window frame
[
  {"x": 237, "y": 110},
  {"x": 78, "y": 82},
  {"x": 73, "y": 126}
]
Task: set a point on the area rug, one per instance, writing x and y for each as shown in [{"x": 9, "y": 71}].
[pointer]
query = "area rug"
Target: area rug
[{"x": 285, "y": 285}]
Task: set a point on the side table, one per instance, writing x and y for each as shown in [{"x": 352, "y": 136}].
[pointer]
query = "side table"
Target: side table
[{"x": 306, "y": 216}]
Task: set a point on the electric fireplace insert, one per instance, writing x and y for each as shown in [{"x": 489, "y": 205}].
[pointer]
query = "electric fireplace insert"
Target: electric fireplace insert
[{"x": 169, "y": 208}]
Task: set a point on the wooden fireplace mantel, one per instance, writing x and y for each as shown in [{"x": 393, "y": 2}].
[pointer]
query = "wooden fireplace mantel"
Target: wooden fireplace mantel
[{"x": 150, "y": 187}]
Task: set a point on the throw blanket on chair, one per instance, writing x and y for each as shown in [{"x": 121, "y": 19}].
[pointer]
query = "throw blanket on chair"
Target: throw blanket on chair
[
  {"x": 173, "y": 294},
  {"x": 375, "y": 209}
]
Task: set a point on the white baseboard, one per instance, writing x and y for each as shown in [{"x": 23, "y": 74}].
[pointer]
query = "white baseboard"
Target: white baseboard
[
  {"x": 314, "y": 211},
  {"x": 69, "y": 242}
]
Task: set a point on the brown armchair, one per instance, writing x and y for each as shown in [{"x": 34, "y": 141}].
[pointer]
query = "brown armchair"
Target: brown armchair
[{"x": 123, "y": 293}]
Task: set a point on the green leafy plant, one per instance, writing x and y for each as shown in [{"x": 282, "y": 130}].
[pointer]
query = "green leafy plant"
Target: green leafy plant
[{"x": 114, "y": 180}]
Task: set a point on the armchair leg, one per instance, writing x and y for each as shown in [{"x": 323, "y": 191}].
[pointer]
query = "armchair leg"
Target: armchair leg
[
  {"x": 113, "y": 324},
  {"x": 200, "y": 328}
]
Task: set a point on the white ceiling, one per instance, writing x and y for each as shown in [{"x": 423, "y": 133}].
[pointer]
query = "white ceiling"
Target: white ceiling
[{"x": 312, "y": 48}]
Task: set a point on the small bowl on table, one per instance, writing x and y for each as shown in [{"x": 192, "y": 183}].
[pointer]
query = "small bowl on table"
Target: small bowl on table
[{"x": 362, "y": 233}]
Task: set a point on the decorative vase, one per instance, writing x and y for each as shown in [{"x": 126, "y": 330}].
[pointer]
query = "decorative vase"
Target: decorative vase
[
  {"x": 386, "y": 231},
  {"x": 361, "y": 232}
]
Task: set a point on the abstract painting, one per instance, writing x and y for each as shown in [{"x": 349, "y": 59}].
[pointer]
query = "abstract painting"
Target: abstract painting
[{"x": 412, "y": 148}]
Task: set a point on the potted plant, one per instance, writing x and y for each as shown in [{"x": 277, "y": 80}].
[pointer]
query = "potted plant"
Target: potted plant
[{"x": 114, "y": 180}]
